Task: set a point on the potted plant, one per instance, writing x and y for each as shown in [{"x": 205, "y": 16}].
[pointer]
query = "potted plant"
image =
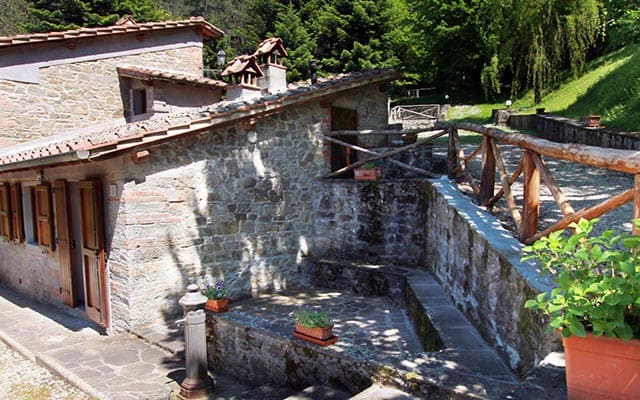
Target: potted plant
[
  {"x": 592, "y": 120},
  {"x": 595, "y": 306},
  {"x": 367, "y": 172},
  {"x": 315, "y": 326},
  {"x": 216, "y": 293}
]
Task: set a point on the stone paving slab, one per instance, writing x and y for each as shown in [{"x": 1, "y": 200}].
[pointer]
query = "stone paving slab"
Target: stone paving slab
[{"x": 120, "y": 367}]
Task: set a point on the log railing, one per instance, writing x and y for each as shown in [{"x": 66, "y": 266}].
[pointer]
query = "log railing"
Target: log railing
[
  {"x": 531, "y": 167},
  {"x": 534, "y": 172}
]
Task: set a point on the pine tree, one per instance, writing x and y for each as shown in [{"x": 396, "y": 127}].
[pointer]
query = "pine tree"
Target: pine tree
[
  {"x": 297, "y": 40},
  {"x": 63, "y": 15}
]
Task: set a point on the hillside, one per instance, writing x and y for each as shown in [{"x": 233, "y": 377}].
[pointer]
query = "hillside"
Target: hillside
[{"x": 610, "y": 86}]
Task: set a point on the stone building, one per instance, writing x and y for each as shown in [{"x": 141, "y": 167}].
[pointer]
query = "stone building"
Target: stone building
[{"x": 125, "y": 175}]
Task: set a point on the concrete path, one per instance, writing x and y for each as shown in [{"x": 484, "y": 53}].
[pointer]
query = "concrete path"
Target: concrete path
[{"x": 120, "y": 367}]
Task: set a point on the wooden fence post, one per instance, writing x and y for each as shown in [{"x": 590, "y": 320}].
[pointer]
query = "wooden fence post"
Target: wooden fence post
[
  {"x": 488, "y": 179},
  {"x": 452, "y": 153},
  {"x": 531, "y": 194}
]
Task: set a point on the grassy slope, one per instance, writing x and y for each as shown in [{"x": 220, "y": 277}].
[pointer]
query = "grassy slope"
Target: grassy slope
[{"x": 610, "y": 86}]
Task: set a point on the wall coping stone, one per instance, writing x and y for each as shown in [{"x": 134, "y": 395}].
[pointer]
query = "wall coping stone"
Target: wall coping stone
[{"x": 488, "y": 227}]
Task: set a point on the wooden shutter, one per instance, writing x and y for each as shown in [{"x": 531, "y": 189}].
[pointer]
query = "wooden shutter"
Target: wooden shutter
[
  {"x": 65, "y": 250},
  {"x": 16, "y": 213},
  {"x": 5, "y": 212},
  {"x": 93, "y": 252},
  {"x": 44, "y": 217}
]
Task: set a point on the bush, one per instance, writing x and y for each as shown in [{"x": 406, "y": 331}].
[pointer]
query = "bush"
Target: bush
[{"x": 597, "y": 278}]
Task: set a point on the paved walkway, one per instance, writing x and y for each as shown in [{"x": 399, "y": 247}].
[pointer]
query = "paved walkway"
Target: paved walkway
[{"x": 119, "y": 367}]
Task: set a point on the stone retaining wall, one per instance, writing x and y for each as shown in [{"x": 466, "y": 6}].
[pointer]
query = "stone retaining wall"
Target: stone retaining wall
[
  {"x": 567, "y": 130},
  {"x": 432, "y": 226}
]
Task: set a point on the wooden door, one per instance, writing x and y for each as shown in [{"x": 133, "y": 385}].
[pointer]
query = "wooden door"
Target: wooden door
[
  {"x": 93, "y": 252},
  {"x": 343, "y": 119},
  {"x": 64, "y": 242}
]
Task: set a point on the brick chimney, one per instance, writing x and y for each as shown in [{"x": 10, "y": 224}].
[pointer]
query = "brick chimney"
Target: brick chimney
[{"x": 269, "y": 55}]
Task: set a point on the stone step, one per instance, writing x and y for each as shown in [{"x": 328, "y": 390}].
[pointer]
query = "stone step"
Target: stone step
[
  {"x": 381, "y": 392},
  {"x": 319, "y": 392}
]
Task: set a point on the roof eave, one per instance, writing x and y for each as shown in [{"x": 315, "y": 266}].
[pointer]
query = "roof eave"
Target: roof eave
[
  {"x": 47, "y": 161},
  {"x": 195, "y": 126}
]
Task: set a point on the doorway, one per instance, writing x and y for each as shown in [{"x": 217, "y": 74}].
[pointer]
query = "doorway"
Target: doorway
[
  {"x": 343, "y": 119},
  {"x": 80, "y": 237}
]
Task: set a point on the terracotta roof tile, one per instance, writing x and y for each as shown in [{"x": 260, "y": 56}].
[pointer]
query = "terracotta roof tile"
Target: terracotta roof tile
[
  {"x": 268, "y": 45},
  {"x": 209, "y": 31},
  {"x": 144, "y": 73},
  {"x": 242, "y": 63},
  {"x": 104, "y": 141}
]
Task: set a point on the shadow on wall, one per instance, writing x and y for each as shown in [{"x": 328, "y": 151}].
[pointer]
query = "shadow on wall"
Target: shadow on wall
[{"x": 251, "y": 212}]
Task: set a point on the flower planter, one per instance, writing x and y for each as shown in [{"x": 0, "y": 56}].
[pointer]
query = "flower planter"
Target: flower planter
[
  {"x": 593, "y": 121},
  {"x": 320, "y": 335},
  {"x": 369, "y": 174},
  {"x": 217, "y": 305},
  {"x": 602, "y": 368}
]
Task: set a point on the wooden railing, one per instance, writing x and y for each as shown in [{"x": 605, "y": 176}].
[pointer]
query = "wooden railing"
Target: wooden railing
[
  {"x": 531, "y": 166},
  {"x": 418, "y": 112},
  {"x": 534, "y": 171}
]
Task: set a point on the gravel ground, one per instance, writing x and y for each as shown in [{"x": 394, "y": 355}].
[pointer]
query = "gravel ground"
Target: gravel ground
[
  {"x": 582, "y": 185},
  {"x": 22, "y": 379}
]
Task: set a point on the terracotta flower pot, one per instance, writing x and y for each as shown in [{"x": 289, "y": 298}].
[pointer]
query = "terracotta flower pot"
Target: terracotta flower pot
[
  {"x": 321, "y": 335},
  {"x": 217, "y": 305},
  {"x": 369, "y": 174},
  {"x": 602, "y": 368}
]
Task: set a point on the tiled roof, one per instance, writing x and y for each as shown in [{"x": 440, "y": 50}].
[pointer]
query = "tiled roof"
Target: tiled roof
[
  {"x": 96, "y": 143},
  {"x": 209, "y": 31},
  {"x": 242, "y": 63},
  {"x": 143, "y": 73},
  {"x": 269, "y": 44}
]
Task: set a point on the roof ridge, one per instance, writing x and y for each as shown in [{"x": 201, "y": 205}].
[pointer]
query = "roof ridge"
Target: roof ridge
[{"x": 129, "y": 25}]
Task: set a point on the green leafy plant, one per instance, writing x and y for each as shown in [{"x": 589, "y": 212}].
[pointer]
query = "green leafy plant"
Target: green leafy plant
[
  {"x": 312, "y": 318},
  {"x": 368, "y": 165},
  {"x": 597, "y": 281},
  {"x": 215, "y": 290}
]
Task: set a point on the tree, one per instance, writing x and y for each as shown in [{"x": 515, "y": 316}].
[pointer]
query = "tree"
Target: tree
[
  {"x": 13, "y": 16},
  {"x": 621, "y": 22},
  {"x": 348, "y": 33},
  {"x": 63, "y": 15},
  {"x": 299, "y": 44},
  {"x": 551, "y": 36}
]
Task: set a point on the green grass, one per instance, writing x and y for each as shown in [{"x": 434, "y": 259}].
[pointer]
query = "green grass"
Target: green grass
[{"x": 610, "y": 86}]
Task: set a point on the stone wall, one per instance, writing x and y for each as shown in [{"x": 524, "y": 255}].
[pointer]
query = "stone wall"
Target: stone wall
[
  {"x": 432, "y": 226},
  {"x": 568, "y": 130},
  {"x": 232, "y": 204},
  {"x": 377, "y": 222},
  {"x": 80, "y": 94}
]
